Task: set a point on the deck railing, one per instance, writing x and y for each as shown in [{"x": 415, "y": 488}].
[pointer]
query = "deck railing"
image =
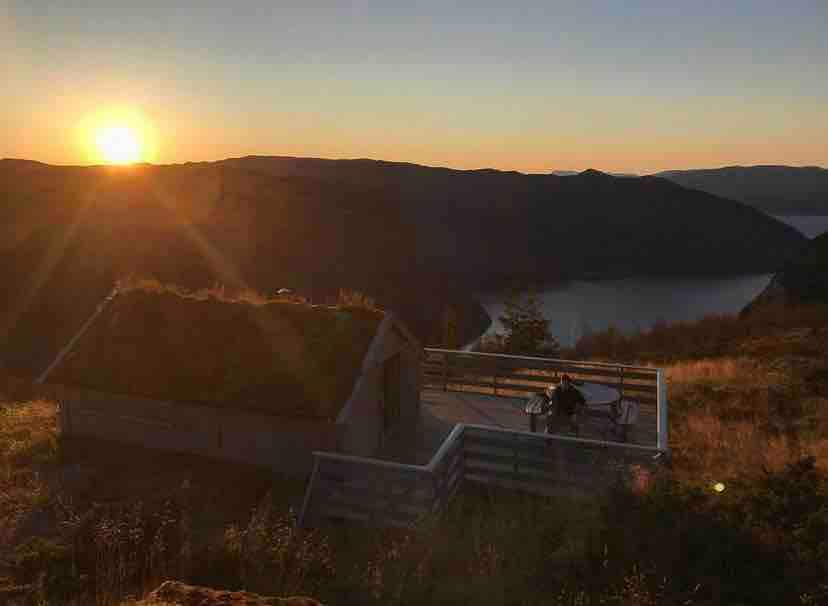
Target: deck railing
[
  {"x": 383, "y": 493},
  {"x": 550, "y": 465},
  {"x": 508, "y": 375}
]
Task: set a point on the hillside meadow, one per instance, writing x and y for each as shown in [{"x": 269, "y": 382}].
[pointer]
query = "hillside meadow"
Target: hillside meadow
[{"x": 94, "y": 523}]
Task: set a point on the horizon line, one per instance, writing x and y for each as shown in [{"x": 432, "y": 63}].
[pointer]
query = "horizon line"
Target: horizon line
[{"x": 552, "y": 171}]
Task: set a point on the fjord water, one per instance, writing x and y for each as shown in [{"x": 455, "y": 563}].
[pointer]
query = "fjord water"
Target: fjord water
[
  {"x": 636, "y": 304},
  {"x": 633, "y": 304}
]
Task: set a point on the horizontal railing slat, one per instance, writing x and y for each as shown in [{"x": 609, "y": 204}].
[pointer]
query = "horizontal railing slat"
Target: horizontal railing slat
[
  {"x": 552, "y": 370},
  {"x": 523, "y": 388},
  {"x": 484, "y": 430},
  {"x": 553, "y": 465},
  {"x": 436, "y": 350},
  {"x": 542, "y": 480},
  {"x": 520, "y": 372}
]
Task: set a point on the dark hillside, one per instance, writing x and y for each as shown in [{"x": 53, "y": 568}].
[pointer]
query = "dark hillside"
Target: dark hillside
[
  {"x": 803, "y": 280},
  {"x": 69, "y": 232},
  {"x": 415, "y": 238},
  {"x": 490, "y": 228}
]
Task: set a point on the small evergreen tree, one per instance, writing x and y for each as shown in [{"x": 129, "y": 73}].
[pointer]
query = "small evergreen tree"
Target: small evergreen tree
[{"x": 527, "y": 329}]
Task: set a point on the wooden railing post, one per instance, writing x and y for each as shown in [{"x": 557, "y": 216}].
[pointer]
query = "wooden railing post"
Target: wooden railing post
[
  {"x": 621, "y": 384},
  {"x": 661, "y": 413}
]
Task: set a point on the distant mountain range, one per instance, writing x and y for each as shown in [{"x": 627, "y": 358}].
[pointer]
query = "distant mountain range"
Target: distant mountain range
[
  {"x": 416, "y": 238},
  {"x": 779, "y": 190},
  {"x": 570, "y": 173}
]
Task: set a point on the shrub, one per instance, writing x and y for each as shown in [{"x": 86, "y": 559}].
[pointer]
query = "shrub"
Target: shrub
[
  {"x": 688, "y": 538},
  {"x": 790, "y": 508},
  {"x": 711, "y": 336},
  {"x": 48, "y": 565}
]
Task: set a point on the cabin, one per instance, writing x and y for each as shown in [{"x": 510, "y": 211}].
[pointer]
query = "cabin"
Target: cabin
[{"x": 263, "y": 382}]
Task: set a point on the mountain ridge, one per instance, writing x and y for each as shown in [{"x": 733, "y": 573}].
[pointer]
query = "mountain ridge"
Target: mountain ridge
[
  {"x": 418, "y": 239},
  {"x": 775, "y": 189}
]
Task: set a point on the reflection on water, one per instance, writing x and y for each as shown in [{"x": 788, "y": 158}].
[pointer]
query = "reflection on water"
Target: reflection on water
[{"x": 634, "y": 304}]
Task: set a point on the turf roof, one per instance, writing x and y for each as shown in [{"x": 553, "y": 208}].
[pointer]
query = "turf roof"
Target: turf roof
[{"x": 279, "y": 357}]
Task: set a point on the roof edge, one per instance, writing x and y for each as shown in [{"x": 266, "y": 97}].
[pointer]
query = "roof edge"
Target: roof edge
[
  {"x": 67, "y": 349},
  {"x": 379, "y": 337},
  {"x": 406, "y": 333}
]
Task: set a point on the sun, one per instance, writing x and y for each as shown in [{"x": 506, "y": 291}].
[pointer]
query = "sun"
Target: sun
[
  {"x": 118, "y": 144},
  {"x": 117, "y": 135}
]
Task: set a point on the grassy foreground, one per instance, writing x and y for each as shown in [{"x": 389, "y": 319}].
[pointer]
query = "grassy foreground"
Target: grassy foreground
[{"x": 97, "y": 524}]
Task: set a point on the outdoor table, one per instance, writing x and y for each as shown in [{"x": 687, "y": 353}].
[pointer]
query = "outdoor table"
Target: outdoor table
[{"x": 598, "y": 398}]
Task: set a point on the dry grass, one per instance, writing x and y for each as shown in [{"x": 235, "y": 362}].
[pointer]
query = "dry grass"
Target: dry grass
[
  {"x": 753, "y": 409},
  {"x": 163, "y": 519},
  {"x": 721, "y": 426},
  {"x": 28, "y": 449},
  {"x": 707, "y": 449},
  {"x": 719, "y": 370},
  {"x": 766, "y": 332},
  {"x": 284, "y": 358},
  {"x": 346, "y": 298},
  {"x": 354, "y": 298},
  {"x": 746, "y": 394},
  {"x": 739, "y": 417},
  {"x": 217, "y": 292}
]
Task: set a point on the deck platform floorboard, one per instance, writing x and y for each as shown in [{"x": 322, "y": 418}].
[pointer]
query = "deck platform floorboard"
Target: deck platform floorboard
[{"x": 441, "y": 410}]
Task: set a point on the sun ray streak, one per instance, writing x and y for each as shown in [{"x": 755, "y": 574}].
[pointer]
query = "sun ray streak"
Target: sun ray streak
[
  {"x": 231, "y": 275},
  {"x": 45, "y": 268}
]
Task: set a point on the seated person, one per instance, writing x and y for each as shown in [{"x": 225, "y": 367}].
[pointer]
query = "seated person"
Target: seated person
[{"x": 565, "y": 402}]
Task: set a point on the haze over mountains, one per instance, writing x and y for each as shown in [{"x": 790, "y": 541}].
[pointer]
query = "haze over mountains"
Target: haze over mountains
[
  {"x": 416, "y": 238},
  {"x": 779, "y": 190}
]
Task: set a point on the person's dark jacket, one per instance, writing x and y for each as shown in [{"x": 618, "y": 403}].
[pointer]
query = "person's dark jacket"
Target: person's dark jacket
[{"x": 568, "y": 399}]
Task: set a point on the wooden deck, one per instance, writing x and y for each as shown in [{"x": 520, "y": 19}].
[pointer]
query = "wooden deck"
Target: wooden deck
[
  {"x": 472, "y": 427},
  {"x": 441, "y": 410}
]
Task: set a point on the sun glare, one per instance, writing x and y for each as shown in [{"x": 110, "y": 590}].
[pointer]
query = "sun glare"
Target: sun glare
[
  {"x": 117, "y": 135},
  {"x": 118, "y": 145}
]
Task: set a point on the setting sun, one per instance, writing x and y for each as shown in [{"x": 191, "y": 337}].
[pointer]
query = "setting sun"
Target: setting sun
[
  {"x": 118, "y": 145},
  {"x": 117, "y": 135}
]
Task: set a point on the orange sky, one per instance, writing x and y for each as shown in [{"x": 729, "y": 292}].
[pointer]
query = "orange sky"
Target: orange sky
[{"x": 534, "y": 87}]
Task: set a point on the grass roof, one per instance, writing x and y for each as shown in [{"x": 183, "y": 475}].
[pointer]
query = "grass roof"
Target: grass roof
[{"x": 282, "y": 357}]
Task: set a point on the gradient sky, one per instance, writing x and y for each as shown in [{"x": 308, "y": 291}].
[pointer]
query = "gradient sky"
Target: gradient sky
[{"x": 629, "y": 85}]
